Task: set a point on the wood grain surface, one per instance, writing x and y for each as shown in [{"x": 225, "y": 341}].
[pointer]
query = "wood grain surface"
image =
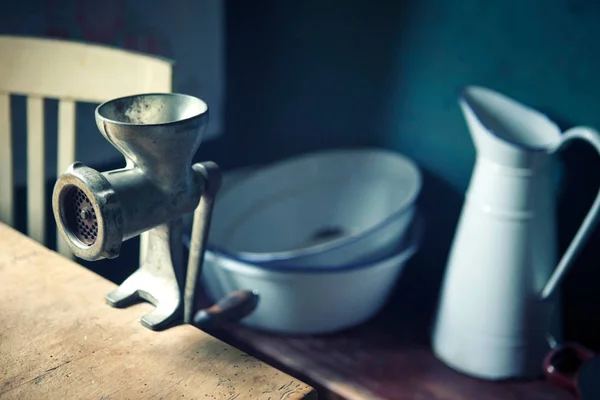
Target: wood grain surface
[
  {"x": 369, "y": 363},
  {"x": 59, "y": 340}
]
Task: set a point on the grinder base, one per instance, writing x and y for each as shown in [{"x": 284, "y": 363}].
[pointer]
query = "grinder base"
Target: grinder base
[{"x": 159, "y": 280}]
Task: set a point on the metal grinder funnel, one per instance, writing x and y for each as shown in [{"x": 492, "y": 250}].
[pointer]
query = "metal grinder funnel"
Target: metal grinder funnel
[{"x": 158, "y": 134}]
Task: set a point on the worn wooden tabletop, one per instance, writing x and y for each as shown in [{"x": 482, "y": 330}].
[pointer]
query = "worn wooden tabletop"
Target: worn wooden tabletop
[{"x": 59, "y": 340}]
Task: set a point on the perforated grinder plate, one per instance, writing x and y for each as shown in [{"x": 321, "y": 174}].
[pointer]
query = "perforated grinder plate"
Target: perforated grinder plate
[{"x": 80, "y": 216}]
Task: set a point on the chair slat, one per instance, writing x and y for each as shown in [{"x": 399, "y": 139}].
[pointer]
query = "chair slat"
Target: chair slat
[
  {"x": 6, "y": 163},
  {"x": 66, "y": 135},
  {"x": 66, "y": 155},
  {"x": 36, "y": 193},
  {"x": 79, "y": 71}
]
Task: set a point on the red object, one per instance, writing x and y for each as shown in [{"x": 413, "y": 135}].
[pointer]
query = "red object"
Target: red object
[{"x": 562, "y": 365}]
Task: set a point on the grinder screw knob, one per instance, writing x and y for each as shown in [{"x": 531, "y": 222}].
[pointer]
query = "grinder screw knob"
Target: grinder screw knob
[{"x": 85, "y": 214}]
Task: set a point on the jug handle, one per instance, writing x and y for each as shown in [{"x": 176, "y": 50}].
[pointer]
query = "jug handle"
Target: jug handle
[{"x": 592, "y": 137}]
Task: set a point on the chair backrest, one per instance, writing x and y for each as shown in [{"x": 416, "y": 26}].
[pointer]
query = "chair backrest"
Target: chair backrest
[{"x": 70, "y": 72}]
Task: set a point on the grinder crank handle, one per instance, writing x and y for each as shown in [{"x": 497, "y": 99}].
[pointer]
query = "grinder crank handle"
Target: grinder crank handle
[
  {"x": 211, "y": 174},
  {"x": 233, "y": 307}
]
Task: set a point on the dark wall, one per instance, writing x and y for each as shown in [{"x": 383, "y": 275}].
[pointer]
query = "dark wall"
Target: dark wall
[{"x": 304, "y": 76}]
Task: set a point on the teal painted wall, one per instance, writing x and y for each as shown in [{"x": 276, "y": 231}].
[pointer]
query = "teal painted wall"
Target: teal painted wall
[{"x": 543, "y": 53}]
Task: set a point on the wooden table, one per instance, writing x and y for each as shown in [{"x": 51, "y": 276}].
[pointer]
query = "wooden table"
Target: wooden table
[
  {"x": 370, "y": 364},
  {"x": 59, "y": 340}
]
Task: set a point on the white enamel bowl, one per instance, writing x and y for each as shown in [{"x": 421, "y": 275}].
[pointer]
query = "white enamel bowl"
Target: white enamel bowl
[
  {"x": 310, "y": 300},
  {"x": 328, "y": 208}
]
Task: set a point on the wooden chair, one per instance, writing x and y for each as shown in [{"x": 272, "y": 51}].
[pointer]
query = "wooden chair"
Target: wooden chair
[{"x": 70, "y": 72}]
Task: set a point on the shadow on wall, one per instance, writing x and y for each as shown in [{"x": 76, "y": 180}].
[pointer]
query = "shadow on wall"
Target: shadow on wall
[
  {"x": 581, "y": 182},
  {"x": 304, "y": 76},
  {"x": 579, "y": 187},
  {"x": 416, "y": 294}
]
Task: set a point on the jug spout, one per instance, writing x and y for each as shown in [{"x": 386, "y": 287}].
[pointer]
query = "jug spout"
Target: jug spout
[{"x": 505, "y": 131}]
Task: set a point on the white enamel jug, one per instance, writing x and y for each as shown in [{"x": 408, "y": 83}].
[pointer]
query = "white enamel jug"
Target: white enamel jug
[{"x": 498, "y": 297}]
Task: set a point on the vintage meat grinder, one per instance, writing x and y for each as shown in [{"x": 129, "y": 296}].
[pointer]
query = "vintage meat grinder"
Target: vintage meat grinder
[{"x": 97, "y": 211}]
